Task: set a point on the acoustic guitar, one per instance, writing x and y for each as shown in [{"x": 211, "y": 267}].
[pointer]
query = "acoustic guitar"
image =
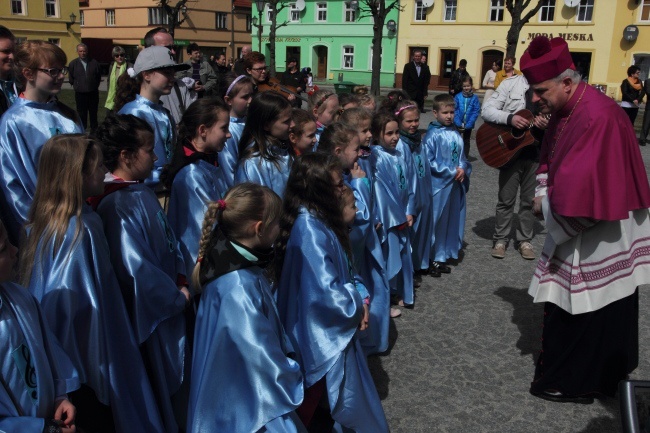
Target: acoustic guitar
[{"x": 498, "y": 144}]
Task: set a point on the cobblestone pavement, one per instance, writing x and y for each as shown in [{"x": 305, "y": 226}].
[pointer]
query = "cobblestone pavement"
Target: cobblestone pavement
[{"x": 463, "y": 359}]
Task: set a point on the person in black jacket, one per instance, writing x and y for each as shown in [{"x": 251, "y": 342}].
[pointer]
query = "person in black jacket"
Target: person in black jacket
[
  {"x": 292, "y": 77},
  {"x": 85, "y": 76},
  {"x": 632, "y": 90},
  {"x": 457, "y": 78},
  {"x": 8, "y": 89},
  {"x": 415, "y": 79}
]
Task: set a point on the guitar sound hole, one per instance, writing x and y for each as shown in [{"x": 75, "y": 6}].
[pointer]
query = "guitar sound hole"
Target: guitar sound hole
[{"x": 518, "y": 133}]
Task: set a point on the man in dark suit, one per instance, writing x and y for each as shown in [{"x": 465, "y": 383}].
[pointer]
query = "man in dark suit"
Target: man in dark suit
[
  {"x": 85, "y": 76},
  {"x": 645, "y": 128},
  {"x": 415, "y": 79},
  {"x": 8, "y": 90}
]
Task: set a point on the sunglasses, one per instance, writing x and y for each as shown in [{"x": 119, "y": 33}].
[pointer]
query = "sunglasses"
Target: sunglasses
[
  {"x": 118, "y": 55},
  {"x": 54, "y": 72}
]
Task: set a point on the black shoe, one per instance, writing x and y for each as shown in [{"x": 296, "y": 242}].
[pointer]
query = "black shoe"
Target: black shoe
[
  {"x": 434, "y": 272},
  {"x": 558, "y": 397},
  {"x": 441, "y": 267}
]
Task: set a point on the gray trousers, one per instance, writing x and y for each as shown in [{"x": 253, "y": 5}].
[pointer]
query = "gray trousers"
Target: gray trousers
[{"x": 518, "y": 176}]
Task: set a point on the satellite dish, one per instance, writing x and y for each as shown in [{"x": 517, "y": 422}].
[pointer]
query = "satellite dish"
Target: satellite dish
[
  {"x": 427, "y": 3},
  {"x": 571, "y": 3},
  {"x": 300, "y": 5}
]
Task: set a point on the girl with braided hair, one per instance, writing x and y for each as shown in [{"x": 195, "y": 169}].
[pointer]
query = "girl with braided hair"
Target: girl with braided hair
[{"x": 244, "y": 377}]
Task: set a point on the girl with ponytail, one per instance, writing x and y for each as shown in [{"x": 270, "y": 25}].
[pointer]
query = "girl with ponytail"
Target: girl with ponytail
[{"x": 244, "y": 377}]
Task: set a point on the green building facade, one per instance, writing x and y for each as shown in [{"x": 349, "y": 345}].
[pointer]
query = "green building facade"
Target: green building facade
[{"x": 331, "y": 38}]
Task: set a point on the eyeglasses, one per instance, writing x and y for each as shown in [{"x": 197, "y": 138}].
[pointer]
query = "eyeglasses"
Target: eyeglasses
[
  {"x": 263, "y": 68},
  {"x": 54, "y": 72},
  {"x": 118, "y": 55}
]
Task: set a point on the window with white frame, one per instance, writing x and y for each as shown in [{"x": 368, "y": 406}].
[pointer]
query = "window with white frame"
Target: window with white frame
[
  {"x": 321, "y": 11},
  {"x": 348, "y": 57},
  {"x": 450, "y": 10},
  {"x": 81, "y": 18},
  {"x": 18, "y": 7},
  {"x": 221, "y": 21},
  {"x": 350, "y": 13},
  {"x": 157, "y": 17},
  {"x": 585, "y": 11},
  {"x": 547, "y": 11},
  {"x": 381, "y": 56},
  {"x": 496, "y": 10},
  {"x": 268, "y": 13},
  {"x": 420, "y": 11},
  {"x": 51, "y": 8},
  {"x": 645, "y": 11},
  {"x": 55, "y": 41},
  {"x": 110, "y": 17},
  {"x": 294, "y": 13}
]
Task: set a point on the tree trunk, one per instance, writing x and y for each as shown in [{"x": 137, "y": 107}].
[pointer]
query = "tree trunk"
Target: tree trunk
[{"x": 377, "y": 35}]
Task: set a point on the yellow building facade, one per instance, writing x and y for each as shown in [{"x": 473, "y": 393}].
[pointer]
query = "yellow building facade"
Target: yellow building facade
[
  {"x": 222, "y": 26},
  {"x": 475, "y": 30},
  {"x": 47, "y": 20}
]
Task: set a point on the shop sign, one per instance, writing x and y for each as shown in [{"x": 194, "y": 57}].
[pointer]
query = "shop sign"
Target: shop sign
[
  {"x": 582, "y": 37},
  {"x": 266, "y": 39}
]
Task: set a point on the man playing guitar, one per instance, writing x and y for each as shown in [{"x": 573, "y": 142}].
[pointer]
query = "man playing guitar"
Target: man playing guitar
[{"x": 519, "y": 174}]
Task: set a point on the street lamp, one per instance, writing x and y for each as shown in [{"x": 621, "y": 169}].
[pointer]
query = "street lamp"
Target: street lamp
[
  {"x": 260, "y": 8},
  {"x": 73, "y": 19}
]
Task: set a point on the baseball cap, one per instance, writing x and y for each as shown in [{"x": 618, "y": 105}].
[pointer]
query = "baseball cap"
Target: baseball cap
[{"x": 157, "y": 58}]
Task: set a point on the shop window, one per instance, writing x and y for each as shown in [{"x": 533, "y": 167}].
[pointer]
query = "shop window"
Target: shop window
[
  {"x": 450, "y": 10},
  {"x": 585, "y": 11},
  {"x": 496, "y": 10},
  {"x": 547, "y": 11}
]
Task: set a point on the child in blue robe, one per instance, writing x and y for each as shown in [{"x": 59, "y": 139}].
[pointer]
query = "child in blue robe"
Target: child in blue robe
[
  {"x": 450, "y": 173},
  {"x": 244, "y": 377},
  {"x": 239, "y": 94},
  {"x": 35, "y": 371},
  {"x": 265, "y": 158},
  {"x": 148, "y": 262},
  {"x": 408, "y": 118},
  {"x": 342, "y": 141},
  {"x": 321, "y": 306},
  {"x": 66, "y": 265},
  {"x": 25, "y": 127},
  {"x": 324, "y": 109},
  {"x": 303, "y": 132},
  {"x": 191, "y": 175},
  {"x": 139, "y": 95},
  {"x": 395, "y": 204}
]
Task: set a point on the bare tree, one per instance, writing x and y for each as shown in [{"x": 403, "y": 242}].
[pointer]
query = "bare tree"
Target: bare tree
[
  {"x": 516, "y": 9},
  {"x": 173, "y": 12},
  {"x": 275, "y": 6},
  {"x": 379, "y": 10}
]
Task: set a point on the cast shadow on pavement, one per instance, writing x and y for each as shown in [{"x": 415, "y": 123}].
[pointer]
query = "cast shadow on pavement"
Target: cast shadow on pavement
[
  {"x": 528, "y": 318},
  {"x": 485, "y": 228},
  {"x": 379, "y": 375}
]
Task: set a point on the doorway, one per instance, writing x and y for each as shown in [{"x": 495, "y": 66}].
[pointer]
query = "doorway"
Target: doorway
[
  {"x": 320, "y": 54},
  {"x": 294, "y": 52},
  {"x": 643, "y": 62},
  {"x": 447, "y": 66},
  {"x": 489, "y": 57},
  {"x": 582, "y": 62}
]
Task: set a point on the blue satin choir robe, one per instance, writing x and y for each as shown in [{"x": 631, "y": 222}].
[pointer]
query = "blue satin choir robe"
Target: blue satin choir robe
[
  {"x": 229, "y": 156},
  {"x": 445, "y": 149},
  {"x": 319, "y": 131},
  {"x": 193, "y": 188},
  {"x": 394, "y": 199},
  {"x": 33, "y": 365},
  {"x": 82, "y": 304},
  {"x": 266, "y": 173},
  {"x": 147, "y": 261},
  {"x": 24, "y": 129},
  {"x": 321, "y": 308},
  {"x": 243, "y": 378},
  {"x": 164, "y": 130},
  {"x": 422, "y": 229},
  {"x": 368, "y": 260}
]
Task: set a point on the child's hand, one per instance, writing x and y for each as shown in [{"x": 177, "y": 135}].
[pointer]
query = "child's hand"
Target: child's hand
[
  {"x": 357, "y": 172},
  {"x": 364, "y": 320},
  {"x": 460, "y": 174},
  {"x": 410, "y": 220},
  {"x": 65, "y": 412},
  {"x": 184, "y": 290}
]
